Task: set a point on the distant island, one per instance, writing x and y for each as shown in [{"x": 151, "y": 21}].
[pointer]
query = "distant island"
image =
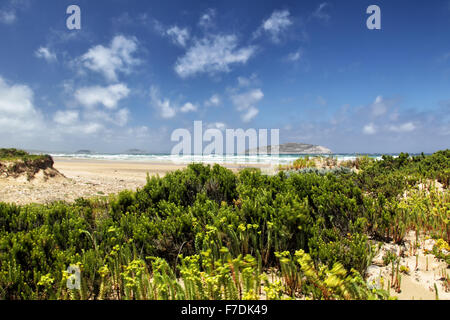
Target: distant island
[{"x": 293, "y": 148}]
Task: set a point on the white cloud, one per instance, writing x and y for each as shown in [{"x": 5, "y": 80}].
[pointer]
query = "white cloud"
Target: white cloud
[
  {"x": 243, "y": 81},
  {"x": 106, "y": 96},
  {"x": 17, "y": 110},
  {"x": 214, "y": 101},
  {"x": 250, "y": 114},
  {"x": 21, "y": 123},
  {"x": 78, "y": 128},
  {"x": 89, "y": 128},
  {"x": 91, "y": 122},
  {"x": 370, "y": 129},
  {"x": 7, "y": 17},
  {"x": 394, "y": 116},
  {"x": 157, "y": 26},
  {"x": 118, "y": 57},
  {"x": 211, "y": 55},
  {"x": 165, "y": 108},
  {"x": 379, "y": 107},
  {"x": 248, "y": 81},
  {"x": 405, "y": 127},
  {"x": 15, "y": 99},
  {"x": 245, "y": 100},
  {"x": 10, "y": 8},
  {"x": 188, "y": 107},
  {"x": 45, "y": 53},
  {"x": 178, "y": 36},
  {"x": 207, "y": 19},
  {"x": 141, "y": 132},
  {"x": 276, "y": 24},
  {"x": 246, "y": 103},
  {"x": 121, "y": 117},
  {"x": 320, "y": 13},
  {"x": 68, "y": 117},
  {"x": 295, "y": 56}
]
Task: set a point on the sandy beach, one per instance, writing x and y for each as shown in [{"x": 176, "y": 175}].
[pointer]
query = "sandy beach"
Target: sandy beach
[{"x": 90, "y": 178}]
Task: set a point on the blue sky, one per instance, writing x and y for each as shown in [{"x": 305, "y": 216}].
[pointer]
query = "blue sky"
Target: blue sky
[{"x": 137, "y": 70}]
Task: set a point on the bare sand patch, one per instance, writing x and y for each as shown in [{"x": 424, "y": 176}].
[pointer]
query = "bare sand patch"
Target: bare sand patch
[{"x": 424, "y": 276}]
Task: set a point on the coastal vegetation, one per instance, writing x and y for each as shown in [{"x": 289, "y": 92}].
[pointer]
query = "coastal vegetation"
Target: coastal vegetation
[
  {"x": 208, "y": 233},
  {"x": 14, "y": 154}
]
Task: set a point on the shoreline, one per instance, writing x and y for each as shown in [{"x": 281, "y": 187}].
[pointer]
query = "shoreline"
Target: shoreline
[{"x": 155, "y": 163}]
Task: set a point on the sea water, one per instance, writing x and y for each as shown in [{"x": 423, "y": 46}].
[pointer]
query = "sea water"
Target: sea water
[{"x": 207, "y": 159}]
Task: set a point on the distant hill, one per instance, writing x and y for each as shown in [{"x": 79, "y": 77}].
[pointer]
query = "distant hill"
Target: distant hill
[
  {"x": 84, "y": 152},
  {"x": 294, "y": 148}
]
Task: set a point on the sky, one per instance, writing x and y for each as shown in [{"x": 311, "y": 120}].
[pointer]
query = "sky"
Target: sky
[{"x": 138, "y": 70}]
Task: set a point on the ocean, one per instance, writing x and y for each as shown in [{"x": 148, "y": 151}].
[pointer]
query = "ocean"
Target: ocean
[{"x": 209, "y": 159}]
